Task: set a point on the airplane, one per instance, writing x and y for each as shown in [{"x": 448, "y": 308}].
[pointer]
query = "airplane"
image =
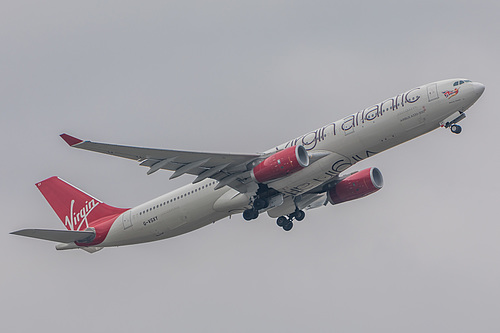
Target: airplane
[{"x": 301, "y": 174}]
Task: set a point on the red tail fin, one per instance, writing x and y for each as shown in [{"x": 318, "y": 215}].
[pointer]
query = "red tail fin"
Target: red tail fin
[{"x": 76, "y": 209}]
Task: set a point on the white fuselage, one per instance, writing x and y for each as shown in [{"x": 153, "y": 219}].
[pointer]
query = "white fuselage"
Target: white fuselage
[{"x": 347, "y": 141}]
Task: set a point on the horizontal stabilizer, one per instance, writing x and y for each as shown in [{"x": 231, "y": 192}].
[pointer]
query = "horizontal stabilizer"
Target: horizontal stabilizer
[{"x": 63, "y": 236}]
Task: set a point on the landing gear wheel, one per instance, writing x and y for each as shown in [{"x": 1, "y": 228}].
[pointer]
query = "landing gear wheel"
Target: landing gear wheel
[
  {"x": 456, "y": 129},
  {"x": 281, "y": 221},
  {"x": 300, "y": 215},
  {"x": 288, "y": 226},
  {"x": 250, "y": 214}
]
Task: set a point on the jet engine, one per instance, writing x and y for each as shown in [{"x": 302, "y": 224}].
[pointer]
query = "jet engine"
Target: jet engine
[
  {"x": 356, "y": 186},
  {"x": 281, "y": 164}
]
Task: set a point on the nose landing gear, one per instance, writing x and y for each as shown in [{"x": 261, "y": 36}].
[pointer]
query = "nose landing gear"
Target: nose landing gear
[
  {"x": 287, "y": 222},
  {"x": 451, "y": 122}
]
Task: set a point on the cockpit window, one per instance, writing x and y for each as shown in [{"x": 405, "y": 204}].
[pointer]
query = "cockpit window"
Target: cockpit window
[{"x": 457, "y": 83}]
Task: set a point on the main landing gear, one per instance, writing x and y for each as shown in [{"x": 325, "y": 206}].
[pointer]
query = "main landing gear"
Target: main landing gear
[
  {"x": 253, "y": 213},
  {"x": 250, "y": 214},
  {"x": 287, "y": 222}
]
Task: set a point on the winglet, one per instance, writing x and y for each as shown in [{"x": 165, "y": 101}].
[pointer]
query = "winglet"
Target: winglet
[{"x": 70, "y": 140}]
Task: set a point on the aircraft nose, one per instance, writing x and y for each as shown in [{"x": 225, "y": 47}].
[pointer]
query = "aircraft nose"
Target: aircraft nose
[{"x": 478, "y": 88}]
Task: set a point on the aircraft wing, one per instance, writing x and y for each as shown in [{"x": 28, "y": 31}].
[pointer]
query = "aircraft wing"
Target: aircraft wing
[{"x": 229, "y": 169}]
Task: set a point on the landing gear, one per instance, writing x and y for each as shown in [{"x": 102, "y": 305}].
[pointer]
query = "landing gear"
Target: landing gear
[
  {"x": 300, "y": 215},
  {"x": 452, "y": 120},
  {"x": 287, "y": 222},
  {"x": 288, "y": 226},
  {"x": 253, "y": 213},
  {"x": 281, "y": 221},
  {"x": 456, "y": 128},
  {"x": 250, "y": 214}
]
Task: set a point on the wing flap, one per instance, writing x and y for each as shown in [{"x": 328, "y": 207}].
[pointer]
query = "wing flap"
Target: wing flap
[{"x": 63, "y": 236}]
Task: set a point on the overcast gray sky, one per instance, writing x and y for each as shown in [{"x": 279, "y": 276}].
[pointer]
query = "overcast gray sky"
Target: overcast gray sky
[{"x": 421, "y": 255}]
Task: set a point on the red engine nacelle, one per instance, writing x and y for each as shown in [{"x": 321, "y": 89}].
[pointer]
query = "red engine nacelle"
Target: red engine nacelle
[
  {"x": 280, "y": 164},
  {"x": 356, "y": 186}
]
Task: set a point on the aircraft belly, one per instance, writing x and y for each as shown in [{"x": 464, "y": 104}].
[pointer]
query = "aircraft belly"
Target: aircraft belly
[
  {"x": 195, "y": 213},
  {"x": 190, "y": 216}
]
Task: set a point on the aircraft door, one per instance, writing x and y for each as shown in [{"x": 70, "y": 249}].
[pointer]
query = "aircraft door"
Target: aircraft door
[
  {"x": 127, "y": 220},
  {"x": 432, "y": 92}
]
